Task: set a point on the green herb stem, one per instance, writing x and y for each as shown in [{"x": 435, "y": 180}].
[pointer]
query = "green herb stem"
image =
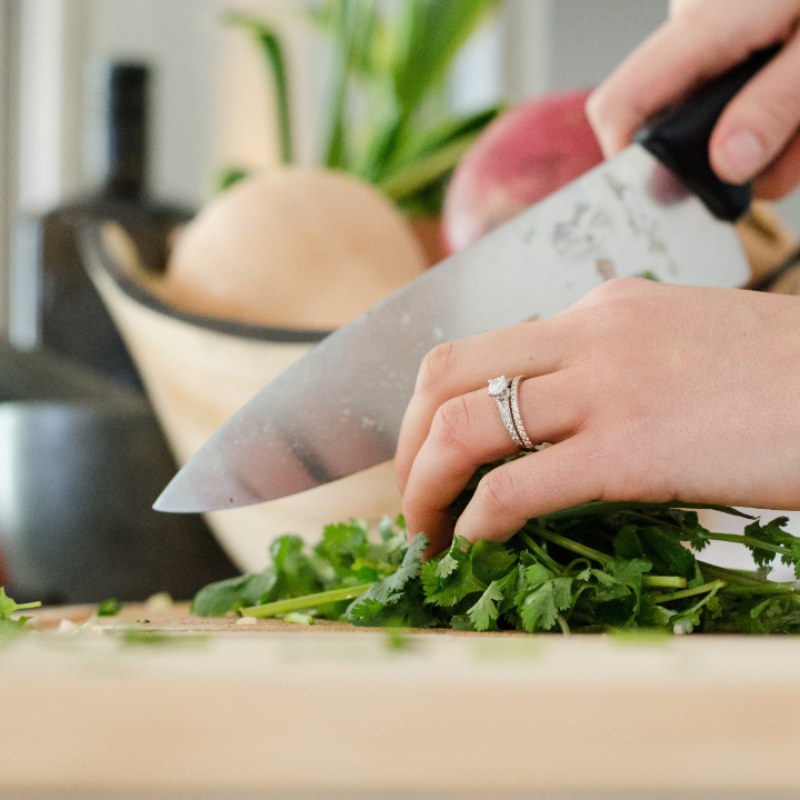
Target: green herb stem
[
  {"x": 713, "y": 588},
  {"x": 705, "y": 588},
  {"x": 24, "y": 606},
  {"x": 745, "y": 579},
  {"x": 535, "y": 547},
  {"x": 747, "y": 541},
  {"x": 596, "y": 508},
  {"x": 292, "y": 604},
  {"x": 664, "y": 581},
  {"x": 655, "y": 581},
  {"x": 766, "y": 589},
  {"x": 573, "y": 546}
]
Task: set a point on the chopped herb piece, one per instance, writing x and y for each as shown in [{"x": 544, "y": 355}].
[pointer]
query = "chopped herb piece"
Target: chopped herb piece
[
  {"x": 109, "y": 608},
  {"x": 10, "y": 622}
]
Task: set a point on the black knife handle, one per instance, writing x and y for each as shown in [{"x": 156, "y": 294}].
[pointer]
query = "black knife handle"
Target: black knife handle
[{"x": 679, "y": 138}]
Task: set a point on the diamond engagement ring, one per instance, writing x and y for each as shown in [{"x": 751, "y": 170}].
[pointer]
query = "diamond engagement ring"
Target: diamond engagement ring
[{"x": 505, "y": 394}]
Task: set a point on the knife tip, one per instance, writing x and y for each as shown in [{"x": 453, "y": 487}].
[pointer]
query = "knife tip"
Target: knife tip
[
  {"x": 182, "y": 496},
  {"x": 173, "y": 501}
]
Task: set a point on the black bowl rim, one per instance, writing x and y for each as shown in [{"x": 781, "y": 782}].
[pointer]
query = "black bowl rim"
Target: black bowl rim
[{"x": 90, "y": 241}]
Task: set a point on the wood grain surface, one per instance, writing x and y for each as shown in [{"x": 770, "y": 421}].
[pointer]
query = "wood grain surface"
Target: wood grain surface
[{"x": 198, "y": 705}]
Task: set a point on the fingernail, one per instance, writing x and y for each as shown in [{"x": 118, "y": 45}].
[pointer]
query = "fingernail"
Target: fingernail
[{"x": 740, "y": 157}]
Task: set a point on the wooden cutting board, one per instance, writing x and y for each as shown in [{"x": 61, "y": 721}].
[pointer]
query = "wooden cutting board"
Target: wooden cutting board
[{"x": 281, "y": 710}]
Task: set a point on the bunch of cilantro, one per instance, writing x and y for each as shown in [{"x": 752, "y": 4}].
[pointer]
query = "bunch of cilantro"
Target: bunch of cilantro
[{"x": 595, "y": 567}]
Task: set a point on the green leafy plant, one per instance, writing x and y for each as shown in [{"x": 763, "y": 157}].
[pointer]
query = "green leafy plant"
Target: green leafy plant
[
  {"x": 385, "y": 118},
  {"x": 596, "y": 567}
]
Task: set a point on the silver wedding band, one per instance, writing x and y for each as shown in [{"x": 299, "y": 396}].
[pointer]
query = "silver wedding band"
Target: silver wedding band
[{"x": 506, "y": 394}]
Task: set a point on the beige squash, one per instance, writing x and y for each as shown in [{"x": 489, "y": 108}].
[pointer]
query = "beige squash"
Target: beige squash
[{"x": 292, "y": 247}]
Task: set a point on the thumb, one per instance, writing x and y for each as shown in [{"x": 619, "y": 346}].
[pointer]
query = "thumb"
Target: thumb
[{"x": 760, "y": 121}]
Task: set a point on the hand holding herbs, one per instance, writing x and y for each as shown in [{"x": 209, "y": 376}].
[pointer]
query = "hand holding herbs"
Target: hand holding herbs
[
  {"x": 648, "y": 391},
  {"x": 596, "y": 567}
]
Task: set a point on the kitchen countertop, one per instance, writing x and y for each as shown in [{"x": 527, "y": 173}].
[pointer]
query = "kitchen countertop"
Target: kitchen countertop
[{"x": 154, "y": 701}]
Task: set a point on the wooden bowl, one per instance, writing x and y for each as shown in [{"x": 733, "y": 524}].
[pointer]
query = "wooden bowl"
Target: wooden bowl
[{"x": 198, "y": 371}]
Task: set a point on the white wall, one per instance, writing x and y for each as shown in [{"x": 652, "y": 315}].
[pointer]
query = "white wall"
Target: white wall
[
  {"x": 567, "y": 44},
  {"x": 6, "y": 171},
  {"x": 210, "y": 100}
]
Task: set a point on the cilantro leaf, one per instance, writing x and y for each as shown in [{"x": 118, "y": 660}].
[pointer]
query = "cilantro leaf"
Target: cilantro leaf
[
  {"x": 627, "y": 543},
  {"x": 220, "y": 597},
  {"x": 342, "y": 544},
  {"x": 629, "y": 572},
  {"x": 539, "y": 610},
  {"x": 409, "y": 567},
  {"x": 772, "y": 534},
  {"x": 295, "y": 572},
  {"x": 484, "y": 613},
  {"x": 490, "y": 560},
  {"x": 450, "y": 578},
  {"x": 382, "y": 601},
  {"x": 666, "y": 553}
]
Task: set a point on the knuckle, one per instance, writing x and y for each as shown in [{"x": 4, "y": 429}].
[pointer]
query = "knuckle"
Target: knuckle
[
  {"x": 613, "y": 293},
  {"x": 777, "y": 120},
  {"x": 436, "y": 364},
  {"x": 451, "y": 422},
  {"x": 688, "y": 11},
  {"x": 677, "y": 7},
  {"x": 499, "y": 492},
  {"x": 620, "y": 287},
  {"x": 620, "y": 302},
  {"x": 413, "y": 508}
]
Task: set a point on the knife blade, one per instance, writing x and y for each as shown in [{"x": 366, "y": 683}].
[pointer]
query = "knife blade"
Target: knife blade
[{"x": 338, "y": 409}]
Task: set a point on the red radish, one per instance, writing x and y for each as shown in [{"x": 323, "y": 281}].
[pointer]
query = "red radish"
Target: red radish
[{"x": 524, "y": 155}]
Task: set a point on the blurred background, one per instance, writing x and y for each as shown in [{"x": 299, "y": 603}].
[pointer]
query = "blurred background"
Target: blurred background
[
  {"x": 163, "y": 101},
  {"x": 210, "y": 99}
]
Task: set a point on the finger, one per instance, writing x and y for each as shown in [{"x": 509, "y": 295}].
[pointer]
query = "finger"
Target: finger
[
  {"x": 760, "y": 121},
  {"x": 462, "y": 438},
  {"x": 688, "y": 50},
  {"x": 656, "y": 75},
  {"x": 468, "y": 432},
  {"x": 460, "y": 367},
  {"x": 782, "y": 176},
  {"x": 506, "y": 498},
  {"x": 608, "y": 294}
]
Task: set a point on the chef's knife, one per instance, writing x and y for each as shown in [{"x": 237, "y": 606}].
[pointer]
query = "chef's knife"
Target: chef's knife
[{"x": 338, "y": 409}]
